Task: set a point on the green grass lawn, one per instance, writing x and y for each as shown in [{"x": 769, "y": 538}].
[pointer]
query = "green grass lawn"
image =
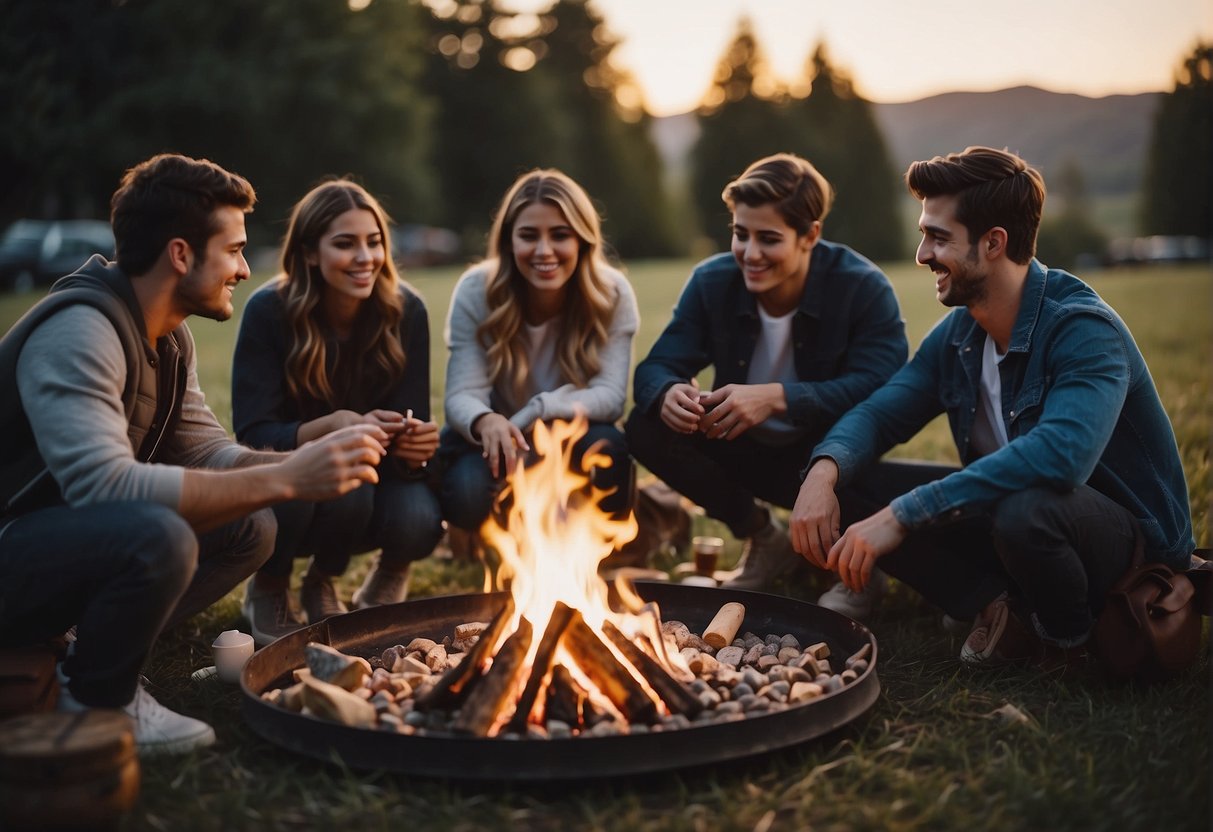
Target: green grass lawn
[{"x": 930, "y": 754}]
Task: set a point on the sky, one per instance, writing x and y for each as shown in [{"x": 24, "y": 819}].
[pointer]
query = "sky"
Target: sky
[{"x": 901, "y": 50}]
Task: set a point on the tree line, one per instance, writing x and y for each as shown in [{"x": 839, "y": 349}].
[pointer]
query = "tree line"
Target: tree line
[{"x": 435, "y": 107}]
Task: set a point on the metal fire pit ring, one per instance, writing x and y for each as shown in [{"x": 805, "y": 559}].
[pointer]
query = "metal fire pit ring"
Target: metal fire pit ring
[{"x": 367, "y": 632}]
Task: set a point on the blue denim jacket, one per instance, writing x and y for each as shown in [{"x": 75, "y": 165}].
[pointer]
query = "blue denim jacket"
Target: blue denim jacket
[
  {"x": 847, "y": 334},
  {"x": 1078, "y": 403}
]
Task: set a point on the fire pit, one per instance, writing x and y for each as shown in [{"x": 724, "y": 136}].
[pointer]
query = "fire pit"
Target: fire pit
[{"x": 367, "y": 632}]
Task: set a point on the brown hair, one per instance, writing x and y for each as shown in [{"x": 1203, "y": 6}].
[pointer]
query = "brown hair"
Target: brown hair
[
  {"x": 375, "y": 346},
  {"x": 992, "y": 188},
  {"x": 799, "y": 192},
  {"x": 170, "y": 196},
  {"x": 586, "y": 315}
]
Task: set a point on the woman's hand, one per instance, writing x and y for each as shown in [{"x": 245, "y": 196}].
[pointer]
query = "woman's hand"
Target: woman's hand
[
  {"x": 416, "y": 442},
  {"x": 501, "y": 440},
  {"x": 388, "y": 421}
]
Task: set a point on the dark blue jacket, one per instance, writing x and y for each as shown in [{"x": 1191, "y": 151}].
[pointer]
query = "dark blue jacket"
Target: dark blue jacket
[{"x": 848, "y": 337}]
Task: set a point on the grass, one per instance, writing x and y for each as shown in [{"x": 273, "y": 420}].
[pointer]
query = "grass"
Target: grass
[{"x": 932, "y": 753}]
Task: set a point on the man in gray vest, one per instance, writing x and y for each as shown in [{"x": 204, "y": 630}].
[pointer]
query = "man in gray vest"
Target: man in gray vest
[{"x": 125, "y": 506}]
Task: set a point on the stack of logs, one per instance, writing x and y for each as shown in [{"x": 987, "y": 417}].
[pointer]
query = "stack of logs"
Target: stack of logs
[{"x": 444, "y": 687}]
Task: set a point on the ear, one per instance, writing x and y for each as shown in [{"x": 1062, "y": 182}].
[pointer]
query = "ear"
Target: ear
[
  {"x": 995, "y": 243},
  {"x": 180, "y": 255},
  {"x": 810, "y": 237}
]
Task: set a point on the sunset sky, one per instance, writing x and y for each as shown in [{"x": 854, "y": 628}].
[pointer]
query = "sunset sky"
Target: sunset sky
[{"x": 899, "y": 51}]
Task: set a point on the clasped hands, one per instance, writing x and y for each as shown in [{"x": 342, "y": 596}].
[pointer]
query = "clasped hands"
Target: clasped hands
[{"x": 725, "y": 413}]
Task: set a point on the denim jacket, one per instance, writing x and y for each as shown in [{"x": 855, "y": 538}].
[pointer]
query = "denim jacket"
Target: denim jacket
[
  {"x": 847, "y": 334},
  {"x": 1078, "y": 403}
]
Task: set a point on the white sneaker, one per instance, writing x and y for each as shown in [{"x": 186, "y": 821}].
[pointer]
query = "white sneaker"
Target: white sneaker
[
  {"x": 857, "y": 605},
  {"x": 157, "y": 729}
]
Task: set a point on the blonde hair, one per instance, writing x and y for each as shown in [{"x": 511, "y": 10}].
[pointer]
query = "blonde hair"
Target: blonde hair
[
  {"x": 374, "y": 349},
  {"x": 586, "y": 313}
]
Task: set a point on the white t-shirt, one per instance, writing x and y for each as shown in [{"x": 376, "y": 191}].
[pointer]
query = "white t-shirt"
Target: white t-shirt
[
  {"x": 773, "y": 361},
  {"x": 989, "y": 431}
]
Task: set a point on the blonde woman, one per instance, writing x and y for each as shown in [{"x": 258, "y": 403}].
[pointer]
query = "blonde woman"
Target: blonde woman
[
  {"x": 338, "y": 339},
  {"x": 539, "y": 329}
]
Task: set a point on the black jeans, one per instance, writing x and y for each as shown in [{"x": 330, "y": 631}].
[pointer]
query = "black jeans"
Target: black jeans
[
  {"x": 120, "y": 572},
  {"x": 401, "y": 517},
  {"x": 1055, "y": 553},
  {"x": 723, "y": 476},
  {"x": 469, "y": 490}
]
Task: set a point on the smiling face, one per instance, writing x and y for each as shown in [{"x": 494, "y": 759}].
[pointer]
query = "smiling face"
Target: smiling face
[
  {"x": 546, "y": 249},
  {"x": 350, "y": 256},
  {"x": 960, "y": 279},
  {"x": 206, "y": 287},
  {"x": 774, "y": 259}
]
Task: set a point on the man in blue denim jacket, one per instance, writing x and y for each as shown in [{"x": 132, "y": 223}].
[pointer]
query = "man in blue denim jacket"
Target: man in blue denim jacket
[
  {"x": 798, "y": 331},
  {"x": 1069, "y": 458}
]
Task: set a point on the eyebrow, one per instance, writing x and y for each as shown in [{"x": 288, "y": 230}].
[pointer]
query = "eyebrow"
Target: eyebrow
[
  {"x": 736, "y": 226},
  {"x": 936, "y": 230}
]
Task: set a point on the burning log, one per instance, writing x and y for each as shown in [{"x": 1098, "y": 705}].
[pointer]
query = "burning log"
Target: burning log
[
  {"x": 446, "y": 691},
  {"x": 615, "y": 681},
  {"x": 562, "y": 614},
  {"x": 677, "y": 698},
  {"x": 565, "y": 698},
  {"x": 493, "y": 691}
]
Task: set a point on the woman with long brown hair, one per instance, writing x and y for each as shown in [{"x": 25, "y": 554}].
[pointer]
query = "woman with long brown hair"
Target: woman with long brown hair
[
  {"x": 338, "y": 339},
  {"x": 540, "y": 329}
]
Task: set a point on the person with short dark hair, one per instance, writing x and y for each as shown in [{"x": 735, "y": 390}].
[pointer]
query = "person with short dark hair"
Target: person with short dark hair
[
  {"x": 338, "y": 339},
  {"x": 1069, "y": 459},
  {"x": 797, "y": 329},
  {"x": 125, "y": 506}
]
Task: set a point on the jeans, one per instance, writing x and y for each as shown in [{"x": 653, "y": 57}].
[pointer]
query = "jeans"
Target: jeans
[
  {"x": 1055, "y": 553},
  {"x": 723, "y": 476},
  {"x": 401, "y": 517},
  {"x": 469, "y": 490},
  {"x": 121, "y": 573}
]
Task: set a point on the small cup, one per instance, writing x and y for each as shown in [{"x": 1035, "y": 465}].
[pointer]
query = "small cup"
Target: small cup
[
  {"x": 231, "y": 650},
  {"x": 707, "y": 553}
]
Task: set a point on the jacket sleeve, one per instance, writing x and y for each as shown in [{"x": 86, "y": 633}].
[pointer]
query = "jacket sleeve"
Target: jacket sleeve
[
  {"x": 679, "y": 353},
  {"x": 70, "y": 376},
  {"x": 603, "y": 399},
  {"x": 877, "y": 348},
  {"x": 1088, "y": 363},
  {"x": 259, "y": 386},
  {"x": 468, "y": 387}
]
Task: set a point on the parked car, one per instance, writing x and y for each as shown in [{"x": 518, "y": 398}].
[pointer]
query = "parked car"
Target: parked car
[{"x": 39, "y": 252}]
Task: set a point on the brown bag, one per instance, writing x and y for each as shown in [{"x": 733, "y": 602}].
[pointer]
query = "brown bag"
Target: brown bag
[
  {"x": 27, "y": 680},
  {"x": 1150, "y": 627}
]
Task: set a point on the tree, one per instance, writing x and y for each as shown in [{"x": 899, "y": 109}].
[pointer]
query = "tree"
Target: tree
[
  {"x": 1178, "y": 197},
  {"x": 834, "y": 127},
  {"x": 1070, "y": 237},
  {"x": 740, "y": 121}
]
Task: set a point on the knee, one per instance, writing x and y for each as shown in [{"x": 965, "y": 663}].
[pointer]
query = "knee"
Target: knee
[
  {"x": 352, "y": 510},
  {"x": 1020, "y": 521},
  {"x": 468, "y": 489},
  {"x": 645, "y": 433},
  {"x": 163, "y": 546},
  {"x": 412, "y": 522},
  {"x": 262, "y": 533}
]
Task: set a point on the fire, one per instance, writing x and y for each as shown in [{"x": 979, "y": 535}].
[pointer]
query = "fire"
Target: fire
[{"x": 553, "y": 537}]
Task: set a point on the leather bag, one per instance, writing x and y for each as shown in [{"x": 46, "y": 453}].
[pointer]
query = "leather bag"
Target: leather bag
[{"x": 1150, "y": 627}]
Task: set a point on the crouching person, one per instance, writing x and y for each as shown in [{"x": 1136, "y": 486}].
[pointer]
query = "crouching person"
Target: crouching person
[{"x": 126, "y": 507}]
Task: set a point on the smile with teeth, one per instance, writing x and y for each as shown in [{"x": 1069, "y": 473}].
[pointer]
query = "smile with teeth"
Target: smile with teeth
[{"x": 544, "y": 268}]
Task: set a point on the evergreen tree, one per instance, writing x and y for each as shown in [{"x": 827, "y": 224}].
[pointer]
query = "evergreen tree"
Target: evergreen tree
[
  {"x": 835, "y": 129},
  {"x": 1178, "y": 196},
  {"x": 1070, "y": 238},
  {"x": 740, "y": 121}
]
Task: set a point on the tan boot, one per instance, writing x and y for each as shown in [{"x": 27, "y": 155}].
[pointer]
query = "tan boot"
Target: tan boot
[
  {"x": 382, "y": 587},
  {"x": 319, "y": 597}
]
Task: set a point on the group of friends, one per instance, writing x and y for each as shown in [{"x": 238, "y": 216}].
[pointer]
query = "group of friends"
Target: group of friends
[{"x": 127, "y": 508}]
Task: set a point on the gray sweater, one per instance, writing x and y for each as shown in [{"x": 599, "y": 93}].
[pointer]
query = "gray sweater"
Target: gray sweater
[
  {"x": 71, "y": 374},
  {"x": 470, "y": 394}
]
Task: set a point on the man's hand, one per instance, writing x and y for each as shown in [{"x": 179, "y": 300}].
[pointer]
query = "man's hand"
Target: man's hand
[
  {"x": 416, "y": 443},
  {"x": 680, "y": 408},
  {"x": 814, "y": 522},
  {"x": 501, "y": 440},
  {"x": 335, "y": 464},
  {"x": 735, "y": 408},
  {"x": 854, "y": 556}
]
